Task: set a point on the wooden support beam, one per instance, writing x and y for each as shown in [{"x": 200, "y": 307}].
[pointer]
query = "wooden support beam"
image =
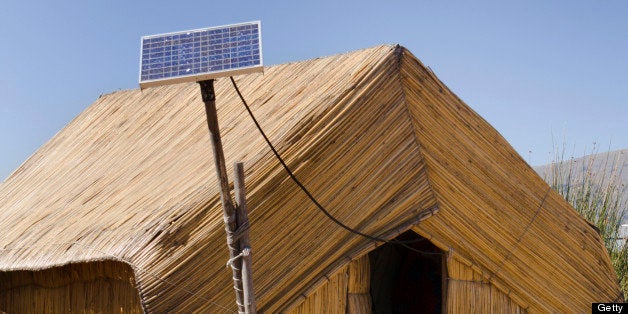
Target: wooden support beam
[
  {"x": 242, "y": 221},
  {"x": 228, "y": 210}
]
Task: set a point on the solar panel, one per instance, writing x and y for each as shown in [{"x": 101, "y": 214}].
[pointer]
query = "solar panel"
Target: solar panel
[{"x": 201, "y": 54}]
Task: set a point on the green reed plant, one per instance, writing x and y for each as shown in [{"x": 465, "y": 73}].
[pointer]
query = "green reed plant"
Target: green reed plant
[{"x": 594, "y": 188}]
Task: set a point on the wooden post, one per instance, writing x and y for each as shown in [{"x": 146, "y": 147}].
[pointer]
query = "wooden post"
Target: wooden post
[
  {"x": 242, "y": 220},
  {"x": 209, "y": 98}
]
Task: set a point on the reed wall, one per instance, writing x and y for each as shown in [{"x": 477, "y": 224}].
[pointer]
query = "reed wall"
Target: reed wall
[
  {"x": 469, "y": 292},
  {"x": 91, "y": 287},
  {"x": 329, "y": 298}
]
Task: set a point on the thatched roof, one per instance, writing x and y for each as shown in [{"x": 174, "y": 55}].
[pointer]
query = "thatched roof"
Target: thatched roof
[{"x": 373, "y": 134}]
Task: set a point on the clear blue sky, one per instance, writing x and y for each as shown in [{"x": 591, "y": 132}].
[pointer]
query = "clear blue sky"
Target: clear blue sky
[{"x": 536, "y": 70}]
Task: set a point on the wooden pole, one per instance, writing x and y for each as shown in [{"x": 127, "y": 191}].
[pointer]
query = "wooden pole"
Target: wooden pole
[
  {"x": 242, "y": 220},
  {"x": 209, "y": 98}
]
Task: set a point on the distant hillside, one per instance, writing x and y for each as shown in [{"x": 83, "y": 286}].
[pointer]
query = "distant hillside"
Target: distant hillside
[{"x": 614, "y": 162}]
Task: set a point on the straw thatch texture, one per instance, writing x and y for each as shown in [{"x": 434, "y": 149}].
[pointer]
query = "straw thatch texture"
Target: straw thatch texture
[
  {"x": 497, "y": 212},
  {"x": 329, "y": 298},
  {"x": 373, "y": 134},
  {"x": 469, "y": 293},
  {"x": 132, "y": 179},
  {"x": 346, "y": 291},
  {"x": 102, "y": 287},
  {"x": 359, "y": 286}
]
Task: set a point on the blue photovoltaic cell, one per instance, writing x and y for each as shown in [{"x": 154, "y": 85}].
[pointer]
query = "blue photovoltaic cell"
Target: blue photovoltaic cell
[{"x": 200, "y": 51}]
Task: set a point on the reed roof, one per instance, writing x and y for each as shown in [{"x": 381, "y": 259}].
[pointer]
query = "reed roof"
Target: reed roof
[{"x": 373, "y": 134}]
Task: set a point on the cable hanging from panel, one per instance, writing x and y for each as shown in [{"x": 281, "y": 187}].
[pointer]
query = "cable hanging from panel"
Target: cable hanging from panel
[{"x": 319, "y": 206}]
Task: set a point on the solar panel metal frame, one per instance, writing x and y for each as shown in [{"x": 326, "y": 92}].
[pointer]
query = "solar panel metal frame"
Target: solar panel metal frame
[{"x": 204, "y": 75}]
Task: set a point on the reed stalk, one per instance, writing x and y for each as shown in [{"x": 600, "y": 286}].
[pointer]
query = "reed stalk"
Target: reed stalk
[{"x": 593, "y": 186}]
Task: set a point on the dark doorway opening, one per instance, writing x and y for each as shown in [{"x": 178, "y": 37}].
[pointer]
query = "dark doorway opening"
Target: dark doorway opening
[{"x": 407, "y": 279}]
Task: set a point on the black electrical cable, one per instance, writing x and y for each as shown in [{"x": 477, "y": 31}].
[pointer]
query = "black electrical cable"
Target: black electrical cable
[{"x": 305, "y": 190}]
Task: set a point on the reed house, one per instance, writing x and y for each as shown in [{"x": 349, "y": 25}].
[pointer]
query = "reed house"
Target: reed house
[{"x": 120, "y": 211}]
